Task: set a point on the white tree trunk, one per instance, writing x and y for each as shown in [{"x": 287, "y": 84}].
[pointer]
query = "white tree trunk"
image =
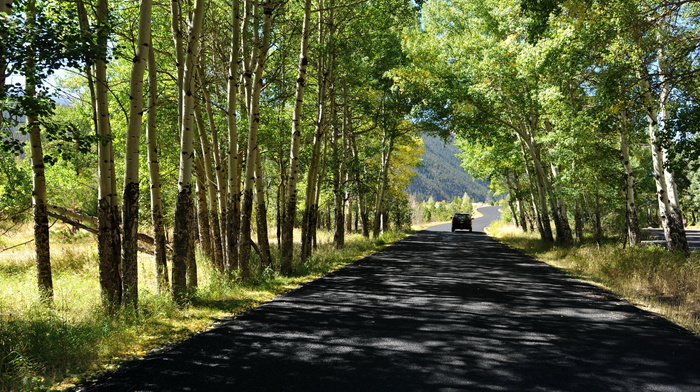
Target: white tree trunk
[
  {"x": 669, "y": 211},
  {"x": 383, "y": 179},
  {"x": 130, "y": 209},
  {"x": 232, "y": 214},
  {"x": 254, "y": 88},
  {"x": 633, "y": 232},
  {"x": 209, "y": 183},
  {"x": 39, "y": 194},
  {"x": 109, "y": 242},
  {"x": 290, "y": 204},
  {"x": 159, "y": 245},
  {"x": 184, "y": 209},
  {"x": 309, "y": 220},
  {"x": 261, "y": 214}
]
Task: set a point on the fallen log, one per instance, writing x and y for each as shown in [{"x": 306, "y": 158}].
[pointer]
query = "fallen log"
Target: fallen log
[
  {"x": 75, "y": 216},
  {"x": 71, "y": 222},
  {"x": 76, "y": 219}
]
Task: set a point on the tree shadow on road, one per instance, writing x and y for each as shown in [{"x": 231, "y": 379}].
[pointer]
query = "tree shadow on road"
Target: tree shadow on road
[{"x": 436, "y": 311}]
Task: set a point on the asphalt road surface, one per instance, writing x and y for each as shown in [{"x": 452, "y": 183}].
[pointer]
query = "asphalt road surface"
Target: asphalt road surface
[
  {"x": 693, "y": 236},
  {"x": 438, "y": 311}
]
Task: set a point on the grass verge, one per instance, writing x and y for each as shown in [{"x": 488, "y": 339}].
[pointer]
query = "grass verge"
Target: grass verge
[
  {"x": 53, "y": 348},
  {"x": 648, "y": 276}
]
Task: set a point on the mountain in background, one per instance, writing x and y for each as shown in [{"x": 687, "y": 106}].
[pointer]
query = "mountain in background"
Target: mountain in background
[{"x": 442, "y": 176}]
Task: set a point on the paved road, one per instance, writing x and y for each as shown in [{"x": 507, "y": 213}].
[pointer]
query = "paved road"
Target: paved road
[
  {"x": 438, "y": 311},
  {"x": 693, "y": 236}
]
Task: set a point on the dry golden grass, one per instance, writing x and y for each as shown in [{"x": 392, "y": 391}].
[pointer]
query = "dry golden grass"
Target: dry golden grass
[{"x": 53, "y": 347}]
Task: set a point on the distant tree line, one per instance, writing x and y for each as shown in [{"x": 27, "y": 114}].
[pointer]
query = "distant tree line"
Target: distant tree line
[{"x": 440, "y": 211}]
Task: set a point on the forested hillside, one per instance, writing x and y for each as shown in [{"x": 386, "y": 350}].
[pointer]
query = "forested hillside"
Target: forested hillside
[{"x": 441, "y": 177}]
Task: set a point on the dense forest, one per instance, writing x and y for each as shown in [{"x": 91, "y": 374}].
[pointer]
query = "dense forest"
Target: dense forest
[
  {"x": 441, "y": 176},
  {"x": 585, "y": 112},
  {"x": 209, "y": 131},
  {"x": 205, "y": 126}
]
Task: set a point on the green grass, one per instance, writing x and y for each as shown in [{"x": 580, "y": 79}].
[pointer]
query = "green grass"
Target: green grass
[
  {"x": 648, "y": 276},
  {"x": 53, "y": 347}
]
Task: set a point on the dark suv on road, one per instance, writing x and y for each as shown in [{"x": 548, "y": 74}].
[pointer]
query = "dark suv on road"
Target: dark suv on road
[{"x": 462, "y": 221}]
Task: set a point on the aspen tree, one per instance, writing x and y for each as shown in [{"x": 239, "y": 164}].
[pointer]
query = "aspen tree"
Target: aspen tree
[
  {"x": 232, "y": 215},
  {"x": 176, "y": 29},
  {"x": 183, "y": 240},
  {"x": 387, "y": 150},
  {"x": 361, "y": 200},
  {"x": 671, "y": 218},
  {"x": 85, "y": 29},
  {"x": 254, "y": 87},
  {"x": 290, "y": 205},
  {"x": 130, "y": 210},
  {"x": 39, "y": 194},
  {"x": 209, "y": 184},
  {"x": 310, "y": 218},
  {"x": 248, "y": 56},
  {"x": 261, "y": 214},
  {"x": 658, "y": 118},
  {"x": 218, "y": 181},
  {"x": 633, "y": 231},
  {"x": 339, "y": 178},
  {"x": 337, "y": 140},
  {"x": 202, "y": 214},
  {"x": 159, "y": 242},
  {"x": 109, "y": 236},
  {"x": 218, "y": 173}
]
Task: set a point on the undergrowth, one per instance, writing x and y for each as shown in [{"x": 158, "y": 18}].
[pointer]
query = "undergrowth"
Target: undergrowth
[
  {"x": 54, "y": 347},
  {"x": 648, "y": 275}
]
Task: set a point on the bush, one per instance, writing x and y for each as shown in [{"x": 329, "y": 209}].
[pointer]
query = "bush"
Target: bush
[{"x": 15, "y": 190}]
